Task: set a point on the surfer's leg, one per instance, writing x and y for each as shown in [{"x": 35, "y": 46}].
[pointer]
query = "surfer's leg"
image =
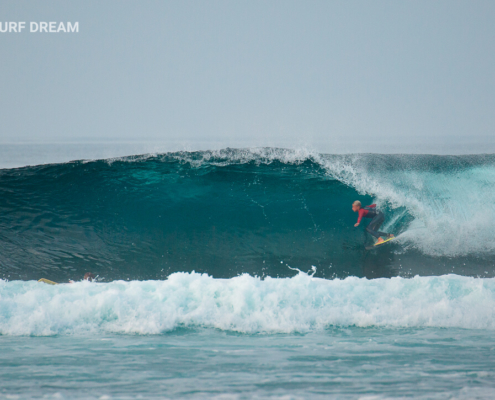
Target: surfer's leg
[
  {"x": 372, "y": 232},
  {"x": 379, "y": 224},
  {"x": 375, "y": 224},
  {"x": 373, "y": 227},
  {"x": 380, "y": 233}
]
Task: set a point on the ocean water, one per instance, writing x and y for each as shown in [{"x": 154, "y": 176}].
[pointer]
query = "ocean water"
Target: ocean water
[
  {"x": 343, "y": 363},
  {"x": 238, "y": 273}
]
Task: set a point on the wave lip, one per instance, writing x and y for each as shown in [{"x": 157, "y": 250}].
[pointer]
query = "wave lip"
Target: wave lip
[{"x": 245, "y": 304}]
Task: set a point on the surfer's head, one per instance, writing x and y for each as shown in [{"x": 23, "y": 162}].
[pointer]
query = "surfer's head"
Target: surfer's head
[
  {"x": 88, "y": 276},
  {"x": 356, "y": 206}
]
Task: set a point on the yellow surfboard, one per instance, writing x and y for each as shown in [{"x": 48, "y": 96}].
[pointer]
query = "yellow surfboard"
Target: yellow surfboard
[
  {"x": 48, "y": 281},
  {"x": 379, "y": 244}
]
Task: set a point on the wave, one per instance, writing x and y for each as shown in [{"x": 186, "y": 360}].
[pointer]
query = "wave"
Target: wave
[
  {"x": 245, "y": 304},
  {"x": 253, "y": 211}
]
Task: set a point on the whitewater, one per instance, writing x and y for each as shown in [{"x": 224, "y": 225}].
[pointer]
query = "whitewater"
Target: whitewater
[
  {"x": 238, "y": 273},
  {"x": 245, "y": 304}
]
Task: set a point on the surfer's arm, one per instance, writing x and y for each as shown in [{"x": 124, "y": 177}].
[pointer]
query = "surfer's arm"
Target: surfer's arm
[{"x": 361, "y": 213}]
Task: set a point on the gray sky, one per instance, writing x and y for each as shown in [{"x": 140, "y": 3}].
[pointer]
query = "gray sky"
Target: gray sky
[{"x": 395, "y": 76}]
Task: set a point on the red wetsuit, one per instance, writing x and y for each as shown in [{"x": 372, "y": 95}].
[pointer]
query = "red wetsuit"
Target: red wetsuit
[
  {"x": 377, "y": 219},
  {"x": 363, "y": 213}
]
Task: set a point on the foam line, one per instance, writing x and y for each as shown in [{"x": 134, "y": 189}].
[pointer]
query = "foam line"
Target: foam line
[{"x": 245, "y": 304}]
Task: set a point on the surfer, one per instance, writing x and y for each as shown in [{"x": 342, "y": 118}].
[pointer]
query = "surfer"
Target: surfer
[
  {"x": 377, "y": 219},
  {"x": 88, "y": 276}
]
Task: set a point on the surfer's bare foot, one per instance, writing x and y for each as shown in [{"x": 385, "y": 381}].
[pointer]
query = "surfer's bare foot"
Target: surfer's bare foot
[
  {"x": 380, "y": 240},
  {"x": 390, "y": 235}
]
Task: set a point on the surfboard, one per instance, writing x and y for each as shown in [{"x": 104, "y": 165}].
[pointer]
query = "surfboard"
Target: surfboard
[
  {"x": 48, "y": 281},
  {"x": 379, "y": 244}
]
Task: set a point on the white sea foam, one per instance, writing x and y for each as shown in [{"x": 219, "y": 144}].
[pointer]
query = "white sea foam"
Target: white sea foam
[
  {"x": 245, "y": 304},
  {"x": 454, "y": 211}
]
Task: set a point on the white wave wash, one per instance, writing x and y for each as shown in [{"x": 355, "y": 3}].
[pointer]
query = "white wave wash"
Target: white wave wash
[
  {"x": 454, "y": 211},
  {"x": 245, "y": 304}
]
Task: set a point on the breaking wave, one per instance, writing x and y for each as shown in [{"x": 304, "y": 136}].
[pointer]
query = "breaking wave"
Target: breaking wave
[
  {"x": 255, "y": 211},
  {"x": 245, "y": 304}
]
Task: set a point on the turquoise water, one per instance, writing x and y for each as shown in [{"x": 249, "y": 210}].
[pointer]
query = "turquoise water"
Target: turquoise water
[
  {"x": 231, "y": 212},
  {"x": 346, "y": 363},
  {"x": 239, "y": 274}
]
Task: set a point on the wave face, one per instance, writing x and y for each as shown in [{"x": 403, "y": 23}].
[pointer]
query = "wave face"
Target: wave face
[
  {"x": 258, "y": 211},
  {"x": 245, "y": 304}
]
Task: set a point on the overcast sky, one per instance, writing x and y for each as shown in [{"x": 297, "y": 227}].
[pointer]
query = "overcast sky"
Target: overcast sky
[{"x": 361, "y": 74}]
